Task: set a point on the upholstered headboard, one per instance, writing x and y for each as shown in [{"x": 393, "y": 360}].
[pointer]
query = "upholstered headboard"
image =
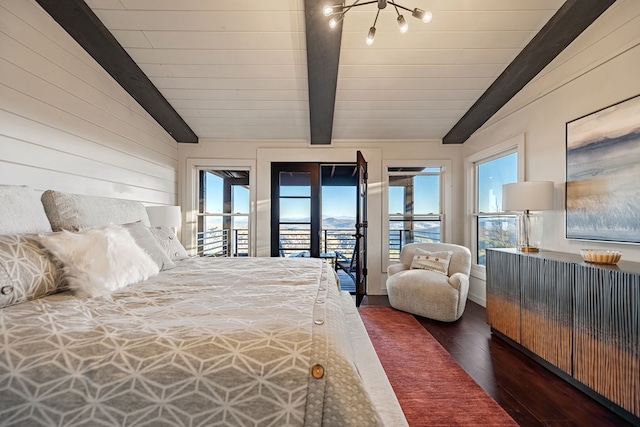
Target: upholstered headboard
[
  {"x": 21, "y": 211},
  {"x": 75, "y": 212}
]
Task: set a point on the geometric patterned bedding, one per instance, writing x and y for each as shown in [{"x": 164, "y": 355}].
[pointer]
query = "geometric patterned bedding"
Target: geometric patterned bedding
[{"x": 215, "y": 341}]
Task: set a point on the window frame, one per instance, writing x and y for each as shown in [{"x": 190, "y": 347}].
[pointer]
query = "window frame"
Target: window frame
[
  {"x": 515, "y": 144},
  {"x": 190, "y": 203},
  {"x": 445, "y": 199}
]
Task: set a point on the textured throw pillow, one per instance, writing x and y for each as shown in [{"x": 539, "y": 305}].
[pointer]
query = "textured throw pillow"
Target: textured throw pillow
[
  {"x": 101, "y": 260},
  {"x": 434, "y": 261},
  {"x": 169, "y": 243},
  {"x": 26, "y": 270},
  {"x": 143, "y": 237}
]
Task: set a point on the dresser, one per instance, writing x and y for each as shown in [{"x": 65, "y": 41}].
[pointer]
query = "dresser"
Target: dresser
[{"x": 578, "y": 319}]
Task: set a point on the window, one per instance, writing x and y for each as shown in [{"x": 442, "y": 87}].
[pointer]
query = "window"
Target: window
[
  {"x": 494, "y": 228},
  {"x": 223, "y": 213},
  {"x": 486, "y": 172},
  {"x": 414, "y": 207}
]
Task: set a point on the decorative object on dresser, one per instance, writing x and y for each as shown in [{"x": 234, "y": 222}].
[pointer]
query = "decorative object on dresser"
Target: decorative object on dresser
[
  {"x": 603, "y": 153},
  {"x": 580, "y": 320},
  {"x": 525, "y": 197},
  {"x": 431, "y": 280}
]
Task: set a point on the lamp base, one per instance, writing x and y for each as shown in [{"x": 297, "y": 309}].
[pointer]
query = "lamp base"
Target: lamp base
[{"x": 529, "y": 249}]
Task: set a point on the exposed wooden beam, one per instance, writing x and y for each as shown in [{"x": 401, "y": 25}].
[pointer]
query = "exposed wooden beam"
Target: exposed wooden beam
[
  {"x": 568, "y": 23},
  {"x": 323, "y": 56},
  {"x": 86, "y": 28}
]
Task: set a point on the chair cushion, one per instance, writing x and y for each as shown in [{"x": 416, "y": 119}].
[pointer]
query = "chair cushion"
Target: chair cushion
[{"x": 433, "y": 261}]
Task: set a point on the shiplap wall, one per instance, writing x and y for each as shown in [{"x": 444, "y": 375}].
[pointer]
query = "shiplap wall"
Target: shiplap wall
[{"x": 65, "y": 124}]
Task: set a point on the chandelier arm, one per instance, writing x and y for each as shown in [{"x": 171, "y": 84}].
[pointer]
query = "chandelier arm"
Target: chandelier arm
[
  {"x": 396, "y": 5},
  {"x": 376, "y": 20},
  {"x": 356, "y": 4}
]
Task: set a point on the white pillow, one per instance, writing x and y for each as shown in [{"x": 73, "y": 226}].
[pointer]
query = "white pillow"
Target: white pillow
[
  {"x": 101, "y": 260},
  {"x": 433, "y": 261},
  {"x": 169, "y": 243}
]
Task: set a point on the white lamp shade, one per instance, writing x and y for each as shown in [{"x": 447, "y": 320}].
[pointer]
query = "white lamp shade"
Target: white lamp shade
[
  {"x": 164, "y": 216},
  {"x": 527, "y": 196}
]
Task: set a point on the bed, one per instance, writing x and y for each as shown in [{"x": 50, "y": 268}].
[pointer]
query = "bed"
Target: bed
[{"x": 202, "y": 341}]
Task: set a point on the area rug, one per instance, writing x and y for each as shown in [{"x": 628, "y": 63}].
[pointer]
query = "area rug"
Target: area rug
[{"x": 433, "y": 390}]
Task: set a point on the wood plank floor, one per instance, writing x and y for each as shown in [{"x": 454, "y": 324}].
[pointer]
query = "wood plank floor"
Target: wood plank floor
[{"x": 531, "y": 394}]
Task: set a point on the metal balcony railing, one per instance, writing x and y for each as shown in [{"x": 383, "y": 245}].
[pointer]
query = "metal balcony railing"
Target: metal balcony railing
[{"x": 217, "y": 243}]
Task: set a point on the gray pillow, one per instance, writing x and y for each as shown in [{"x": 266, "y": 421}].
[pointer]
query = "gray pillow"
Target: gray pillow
[
  {"x": 143, "y": 237},
  {"x": 169, "y": 243},
  {"x": 75, "y": 212},
  {"x": 21, "y": 211},
  {"x": 27, "y": 272}
]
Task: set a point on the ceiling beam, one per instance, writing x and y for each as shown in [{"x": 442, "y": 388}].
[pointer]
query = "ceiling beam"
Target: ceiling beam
[
  {"x": 323, "y": 56},
  {"x": 568, "y": 23},
  {"x": 86, "y": 28}
]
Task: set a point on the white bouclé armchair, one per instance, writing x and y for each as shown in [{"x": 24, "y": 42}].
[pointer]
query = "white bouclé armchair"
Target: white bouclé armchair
[{"x": 428, "y": 293}]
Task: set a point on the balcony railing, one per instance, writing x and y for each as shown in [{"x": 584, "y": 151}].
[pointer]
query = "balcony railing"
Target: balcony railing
[
  {"x": 217, "y": 243},
  {"x": 295, "y": 242}
]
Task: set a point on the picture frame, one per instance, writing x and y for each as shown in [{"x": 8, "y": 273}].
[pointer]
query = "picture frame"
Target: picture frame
[{"x": 603, "y": 174}]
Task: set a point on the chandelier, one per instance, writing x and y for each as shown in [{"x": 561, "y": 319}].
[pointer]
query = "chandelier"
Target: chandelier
[{"x": 337, "y": 13}]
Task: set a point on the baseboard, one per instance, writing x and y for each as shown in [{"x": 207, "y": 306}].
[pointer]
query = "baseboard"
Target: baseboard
[{"x": 477, "y": 299}]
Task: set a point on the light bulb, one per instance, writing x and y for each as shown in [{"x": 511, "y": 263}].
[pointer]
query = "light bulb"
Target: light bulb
[
  {"x": 333, "y": 22},
  {"x": 402, "y": 24},
  {"x": 327, "y": 10},
  {"x": 422, "y": 15},
  {"x": 371, "y": 36}
]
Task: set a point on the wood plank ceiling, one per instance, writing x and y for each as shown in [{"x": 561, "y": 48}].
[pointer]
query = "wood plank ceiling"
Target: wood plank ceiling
[{"x": 246, "y": 69}]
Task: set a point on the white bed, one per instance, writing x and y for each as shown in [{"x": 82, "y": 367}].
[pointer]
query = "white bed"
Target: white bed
[{"x": 224, "y": 341}]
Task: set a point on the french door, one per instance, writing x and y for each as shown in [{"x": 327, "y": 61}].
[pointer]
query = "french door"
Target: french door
[
  {"x": 361, "y": 229},
  {"x": 295, "y": 209},
  {"x": 296, "y": 213}
]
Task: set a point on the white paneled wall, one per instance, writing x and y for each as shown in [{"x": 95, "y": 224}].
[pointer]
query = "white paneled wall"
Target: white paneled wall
[{"x": 65, "y": 124}]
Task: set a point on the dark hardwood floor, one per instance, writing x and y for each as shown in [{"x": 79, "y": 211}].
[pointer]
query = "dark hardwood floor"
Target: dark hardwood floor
[{"x": 531, "y": 394}]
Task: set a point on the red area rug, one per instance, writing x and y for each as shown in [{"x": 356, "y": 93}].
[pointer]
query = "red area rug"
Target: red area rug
[{"x": 433, "y": 390}]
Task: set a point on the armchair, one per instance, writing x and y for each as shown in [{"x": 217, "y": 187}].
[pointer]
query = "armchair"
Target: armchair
[{"x": 429, "y": 293}]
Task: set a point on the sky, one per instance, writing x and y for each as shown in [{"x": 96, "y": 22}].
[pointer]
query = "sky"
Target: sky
[{"x": 337, "y": 202}]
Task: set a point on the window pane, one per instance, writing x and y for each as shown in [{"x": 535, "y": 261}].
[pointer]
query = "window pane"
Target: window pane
[
  {"x": 295, "y": 210},
  {"x": 295, "y": 184},
  {"x": 213, "y": 197},
  {"x": 223, "y": 193},
  {"x": 414, "y": 207},
  {"x": 495, "y": 232},
  {"x": 492, "y": 175},
  {"x": 295, "y": 240}
]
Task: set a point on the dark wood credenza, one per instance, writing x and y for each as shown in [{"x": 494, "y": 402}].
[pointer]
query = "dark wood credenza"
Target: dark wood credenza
[{"x": 580, "y": 320}]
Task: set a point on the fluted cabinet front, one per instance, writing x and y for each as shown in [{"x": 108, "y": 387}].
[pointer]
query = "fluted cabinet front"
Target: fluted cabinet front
[
  {"x": 581, "y": 318},
  {"x": 546, "y": 310},
  {"x": 503, "y": 299},
  {"x": 606, "y": 354}
]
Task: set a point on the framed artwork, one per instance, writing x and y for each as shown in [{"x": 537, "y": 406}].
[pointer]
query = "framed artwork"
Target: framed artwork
[{"x": 603, "y": 174}]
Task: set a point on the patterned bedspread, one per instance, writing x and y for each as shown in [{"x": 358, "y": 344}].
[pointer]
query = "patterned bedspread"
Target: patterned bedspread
[{"x": 225, "y": 341}]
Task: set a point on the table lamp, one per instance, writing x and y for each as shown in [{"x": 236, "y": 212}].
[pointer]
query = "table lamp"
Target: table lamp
[
  {"x": 164, "y": 216},
  {"x": 525, "y": 197}
]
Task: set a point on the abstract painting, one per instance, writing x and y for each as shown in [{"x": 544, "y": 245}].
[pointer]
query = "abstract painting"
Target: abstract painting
[{"x": 603, "y": 174}]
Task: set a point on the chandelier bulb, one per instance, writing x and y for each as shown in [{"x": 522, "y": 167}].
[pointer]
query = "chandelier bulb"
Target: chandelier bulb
[
  {"x": 327, "y": 10},
  {"x": 402, "y": 24},
  {"x": 422, "y": 15},
  {"x": 371, "y": 36}
]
